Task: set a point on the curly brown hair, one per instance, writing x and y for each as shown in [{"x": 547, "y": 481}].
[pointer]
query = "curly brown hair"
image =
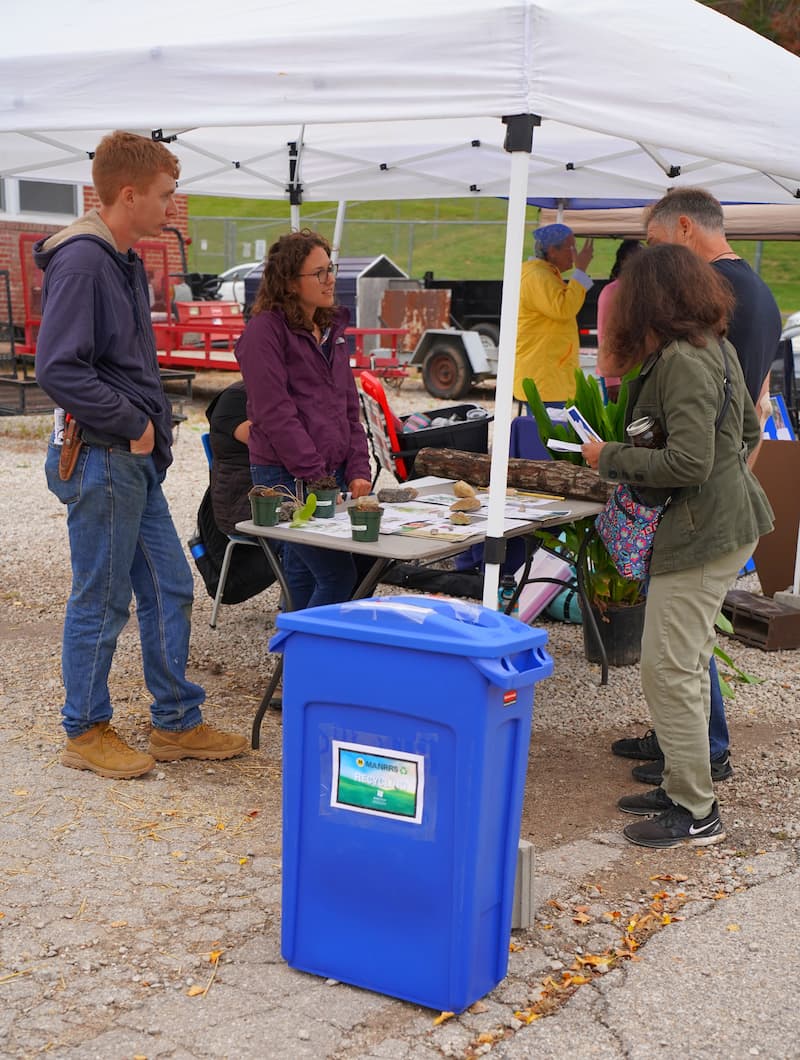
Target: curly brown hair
[
  {"x": 285, "y": 260},
  {"x": 665, "y": 292}
]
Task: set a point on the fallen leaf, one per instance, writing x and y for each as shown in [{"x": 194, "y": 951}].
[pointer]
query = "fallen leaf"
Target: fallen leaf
[
  {"x": 485, "y": 1039},
  {"x": 527, "y": 1017},
  {"x": 214, "y": 956},
  {"x": 595, "y": 960},
  {"x": 576, "y": 980},
  {"x": 612, "y": 915},
  {"x": 733, "y": 927},
  {"x": 243, "y": 861},
  {"x": 253, "y": 813},
  {"x": 479, "y": 1006},
  {"x": 20, "y": 791},
  {"x": 719, "y": 895},
  {"x": 581, "y": 918},
  {"x": 119, "y": 923},
  {"x": 443, "y": 1017},
  {"x": 195, "y": 991}
]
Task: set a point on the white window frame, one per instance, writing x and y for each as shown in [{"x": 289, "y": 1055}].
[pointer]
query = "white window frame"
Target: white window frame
[{"x": 12, "y": 210}]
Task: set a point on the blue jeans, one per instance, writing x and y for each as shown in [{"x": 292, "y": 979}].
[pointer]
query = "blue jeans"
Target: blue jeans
[
  {"x": 315, "y": 576},
  {"x": 718, "y": 738},
  {"x": 122, "y": 540}
]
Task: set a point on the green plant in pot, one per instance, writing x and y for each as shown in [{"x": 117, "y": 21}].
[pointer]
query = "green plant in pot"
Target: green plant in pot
[{"x": 617, "y": 602}]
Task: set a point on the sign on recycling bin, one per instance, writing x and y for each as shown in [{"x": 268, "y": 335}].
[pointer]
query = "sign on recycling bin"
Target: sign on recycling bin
[{"x": 368, "y": 780}]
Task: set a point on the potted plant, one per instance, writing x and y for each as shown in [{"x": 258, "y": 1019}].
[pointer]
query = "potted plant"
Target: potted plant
[{"x": 617, "y": 602}]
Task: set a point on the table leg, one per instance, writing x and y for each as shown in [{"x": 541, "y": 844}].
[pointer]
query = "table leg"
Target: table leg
[
  {"x": 255, "y": 737},
  {"x": 267, "y": 700},
  {"x": 371, "y": 578},
  {"x": 588, "y": 614}
]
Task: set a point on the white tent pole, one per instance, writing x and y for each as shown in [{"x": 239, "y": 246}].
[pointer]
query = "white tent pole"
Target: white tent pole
[
  {"x": 338, "y": 228},
  {"x": 515, "y": 238},
  {"x": 294, "y": 217}
]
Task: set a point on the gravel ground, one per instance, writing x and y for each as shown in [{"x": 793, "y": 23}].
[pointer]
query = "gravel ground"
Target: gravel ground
[{"x": 142, "y": 918}]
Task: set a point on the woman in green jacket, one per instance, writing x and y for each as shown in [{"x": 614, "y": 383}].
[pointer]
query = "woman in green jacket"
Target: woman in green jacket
[{"x": 669, "y": 317}]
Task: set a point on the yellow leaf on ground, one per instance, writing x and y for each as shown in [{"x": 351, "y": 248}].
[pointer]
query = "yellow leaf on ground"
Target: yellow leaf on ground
[
  {"x": 21, "y": 791},
  {"x": 195, "y": 991},
  {"x": 119, "y": 923},
  {"x": 527, "y": 1017},
  {"x": 733, "y": 927},
  {"x": 443, "y": 1017},
  {"x": 214, "y": 956},
  {"x": 581, "y": 918}
]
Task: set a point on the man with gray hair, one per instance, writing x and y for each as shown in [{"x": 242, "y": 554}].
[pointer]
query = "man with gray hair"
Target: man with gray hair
[
  {"x": 547, "y": 331},
  {"x": 693, "y": 217}
]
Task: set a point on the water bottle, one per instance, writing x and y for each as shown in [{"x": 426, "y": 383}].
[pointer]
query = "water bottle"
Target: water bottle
[
  {"x": 59, "y": 422},
  {"x": 505, "y": 591},
  {"x": 196, "y": 547}
]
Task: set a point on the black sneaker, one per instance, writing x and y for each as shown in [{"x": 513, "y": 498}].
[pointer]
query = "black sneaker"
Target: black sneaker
[
  {"x": 676, "y": 825},
  {"x": 652, "y": 772},
  {"x": 646, "y": 804},
  {"x": 644, "y": 747}
]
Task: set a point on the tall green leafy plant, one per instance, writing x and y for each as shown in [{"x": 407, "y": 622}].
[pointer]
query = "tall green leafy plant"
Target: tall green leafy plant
[{"x": 604, "y": 584}]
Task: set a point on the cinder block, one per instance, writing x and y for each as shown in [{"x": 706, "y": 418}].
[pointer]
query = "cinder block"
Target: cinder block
[{"x": 524, "y": 907}]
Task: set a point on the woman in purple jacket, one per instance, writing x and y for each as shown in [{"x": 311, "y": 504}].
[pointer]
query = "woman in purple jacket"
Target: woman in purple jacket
[{"x": 302, "y": 400}]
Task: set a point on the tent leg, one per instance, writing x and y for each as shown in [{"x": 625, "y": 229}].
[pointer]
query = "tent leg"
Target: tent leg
[{"x": 515, "y": 237}]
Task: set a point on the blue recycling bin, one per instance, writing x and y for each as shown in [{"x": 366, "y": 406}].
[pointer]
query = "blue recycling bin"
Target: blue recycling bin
[{"x": 406, "y": 725}]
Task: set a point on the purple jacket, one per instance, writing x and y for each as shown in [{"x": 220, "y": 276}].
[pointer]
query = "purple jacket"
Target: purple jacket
[{"x": 303, "y": 408}]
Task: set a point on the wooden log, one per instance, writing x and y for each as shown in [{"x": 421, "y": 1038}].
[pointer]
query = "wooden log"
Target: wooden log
[{"x": 545, "y": 476}]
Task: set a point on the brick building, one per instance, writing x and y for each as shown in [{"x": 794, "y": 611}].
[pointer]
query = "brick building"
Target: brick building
[{"x": 58, "y": 204}]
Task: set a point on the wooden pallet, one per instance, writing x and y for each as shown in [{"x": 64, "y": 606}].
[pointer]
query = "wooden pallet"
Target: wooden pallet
[{"x": 761, "y": 622}]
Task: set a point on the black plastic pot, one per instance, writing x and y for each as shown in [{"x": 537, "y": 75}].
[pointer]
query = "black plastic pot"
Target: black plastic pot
[{"x": 620, "y": 627}]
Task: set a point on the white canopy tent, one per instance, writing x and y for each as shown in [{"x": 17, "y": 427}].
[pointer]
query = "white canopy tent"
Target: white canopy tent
[{"x": 380, "y": 104}]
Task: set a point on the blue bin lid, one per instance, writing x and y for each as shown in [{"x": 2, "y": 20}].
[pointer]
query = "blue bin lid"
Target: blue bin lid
[{"x": 426, "y": 623}]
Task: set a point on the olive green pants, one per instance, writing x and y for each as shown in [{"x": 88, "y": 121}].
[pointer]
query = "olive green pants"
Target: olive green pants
[{"x": 677, "y": 643}]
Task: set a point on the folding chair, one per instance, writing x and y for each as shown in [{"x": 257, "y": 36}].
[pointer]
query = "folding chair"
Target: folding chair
[
  {"x": 233, "y": 541},
  {"x": 381, "y": 428}
]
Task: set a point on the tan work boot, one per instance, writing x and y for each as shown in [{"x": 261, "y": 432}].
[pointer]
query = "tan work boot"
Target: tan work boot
[
  {"x": 200, "y": 742},
  {"x": 101, "y": 750}
]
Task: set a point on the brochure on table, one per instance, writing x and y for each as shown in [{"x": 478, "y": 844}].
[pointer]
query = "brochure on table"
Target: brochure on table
[{"x": 429, "y": 517}]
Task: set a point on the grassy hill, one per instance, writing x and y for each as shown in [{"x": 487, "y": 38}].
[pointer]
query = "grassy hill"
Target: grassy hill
[{"x": 454, "y": 238}]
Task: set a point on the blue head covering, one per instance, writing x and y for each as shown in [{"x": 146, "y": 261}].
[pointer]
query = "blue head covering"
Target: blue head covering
[{"x": 549, "y": 236}]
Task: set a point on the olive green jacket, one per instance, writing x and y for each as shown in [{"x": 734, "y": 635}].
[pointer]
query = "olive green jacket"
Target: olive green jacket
[{"x": 715, "y": 504}]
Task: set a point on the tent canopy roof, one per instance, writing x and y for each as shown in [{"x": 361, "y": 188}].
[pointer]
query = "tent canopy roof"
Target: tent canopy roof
[
  {"x": 398, "y": 103},
  {"x": 741, "y": 221}
]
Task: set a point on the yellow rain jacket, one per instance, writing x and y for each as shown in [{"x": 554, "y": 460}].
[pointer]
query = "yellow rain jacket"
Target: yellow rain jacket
[{"x": 547, "y": 332}]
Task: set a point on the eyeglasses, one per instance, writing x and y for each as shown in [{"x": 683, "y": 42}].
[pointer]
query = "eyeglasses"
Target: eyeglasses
[{"x": 322, "y": 274}]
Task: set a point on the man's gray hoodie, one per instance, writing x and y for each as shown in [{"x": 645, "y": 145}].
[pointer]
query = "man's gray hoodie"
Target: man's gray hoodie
[{"x": 96, "y": 352}]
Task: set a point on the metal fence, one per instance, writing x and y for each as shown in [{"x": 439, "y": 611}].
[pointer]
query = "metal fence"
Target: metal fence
[{"x": 414, "y": 245}]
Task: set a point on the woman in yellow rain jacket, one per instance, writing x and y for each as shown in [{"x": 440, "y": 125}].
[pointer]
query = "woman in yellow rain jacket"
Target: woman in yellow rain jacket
[{"x": 547, "y": 332}]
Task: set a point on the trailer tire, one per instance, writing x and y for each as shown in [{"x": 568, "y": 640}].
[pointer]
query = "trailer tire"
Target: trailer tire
[
  {"x": 446, "y": 372},
  {"x": 490, "y": 333}
]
